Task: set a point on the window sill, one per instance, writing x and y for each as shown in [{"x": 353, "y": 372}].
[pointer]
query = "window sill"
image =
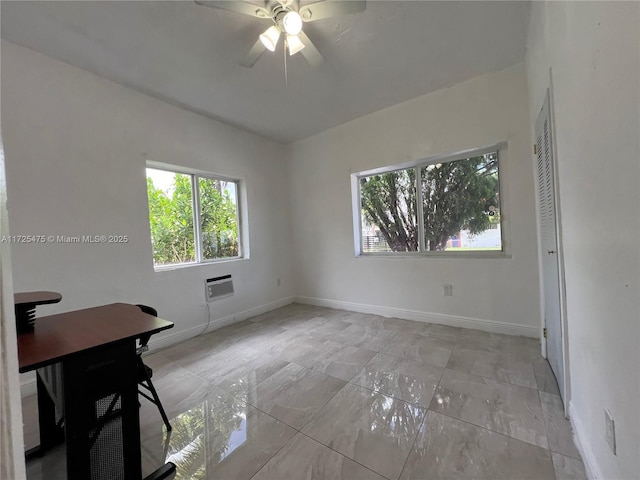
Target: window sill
[
  {"x": 414, "y": 255},
  {"x": 180, "y": 266}
]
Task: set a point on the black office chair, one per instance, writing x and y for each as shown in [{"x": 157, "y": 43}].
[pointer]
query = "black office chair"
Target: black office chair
[{"x": 145, "y": 373}]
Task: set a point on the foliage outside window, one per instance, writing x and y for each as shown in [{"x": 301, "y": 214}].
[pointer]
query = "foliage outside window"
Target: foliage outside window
[
  {"x": 451, "y": 206},
  {"x": 193, "y": 218}
]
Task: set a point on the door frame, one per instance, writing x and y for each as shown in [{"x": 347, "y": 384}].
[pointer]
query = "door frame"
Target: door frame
[{"x": 566, "y": 394}]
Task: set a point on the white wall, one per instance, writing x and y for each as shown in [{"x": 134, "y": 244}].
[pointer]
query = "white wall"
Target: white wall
[
  {"x": 75, "y": 148},
  {"x": 593, "y": 50},
  {"x": 482, "y": 111}
]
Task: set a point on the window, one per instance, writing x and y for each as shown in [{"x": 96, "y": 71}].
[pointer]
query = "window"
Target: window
[
  {"x": 443, "y": 205},
  {"x": 194, "y": 218}
]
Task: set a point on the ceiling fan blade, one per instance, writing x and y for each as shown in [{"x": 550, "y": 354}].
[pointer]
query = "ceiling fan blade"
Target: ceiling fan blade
[
  {"x": 310, "y": 52},
  {"x": 236, "y": 6},
  {"x": 326, "y": 9},
  {"x": 254, "y": 54}
]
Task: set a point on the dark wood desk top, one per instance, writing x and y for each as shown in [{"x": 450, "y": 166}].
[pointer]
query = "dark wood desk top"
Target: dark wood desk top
[
  {"x": 36, "y": 298},
  {"x": 60, "y": 336}
]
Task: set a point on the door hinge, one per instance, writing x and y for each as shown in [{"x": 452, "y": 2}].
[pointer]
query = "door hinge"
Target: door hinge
[
  {"x": 535, "y": 149},
  {"x": 544, "y": 332}
]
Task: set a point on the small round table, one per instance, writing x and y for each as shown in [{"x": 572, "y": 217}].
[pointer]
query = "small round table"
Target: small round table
[{"x": 25, "y": 307}]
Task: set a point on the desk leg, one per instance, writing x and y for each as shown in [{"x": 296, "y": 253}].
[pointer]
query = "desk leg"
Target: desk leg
[
  {"x": 97, "y": 448},
  {"x": 77, "y": 407}
]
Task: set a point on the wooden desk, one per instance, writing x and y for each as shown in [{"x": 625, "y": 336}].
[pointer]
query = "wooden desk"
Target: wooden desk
[{"x": 96, "y": 348}]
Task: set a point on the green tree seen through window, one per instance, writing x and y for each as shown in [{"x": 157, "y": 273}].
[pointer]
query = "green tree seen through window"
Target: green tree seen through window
[
  {"x": 171, "y": 217},
  {"x": 456, "y": 195}
]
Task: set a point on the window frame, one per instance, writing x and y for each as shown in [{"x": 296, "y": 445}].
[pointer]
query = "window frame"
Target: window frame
[
  {"x": 194, "y": 174},
  {"x": 499, "y": 148}
]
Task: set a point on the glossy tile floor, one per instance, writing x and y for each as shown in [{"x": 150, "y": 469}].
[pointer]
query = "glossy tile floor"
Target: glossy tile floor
[{"x": 313, "y": 393}]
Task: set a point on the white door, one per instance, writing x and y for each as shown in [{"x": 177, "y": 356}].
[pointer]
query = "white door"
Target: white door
[{"x": 549, "y": 243}]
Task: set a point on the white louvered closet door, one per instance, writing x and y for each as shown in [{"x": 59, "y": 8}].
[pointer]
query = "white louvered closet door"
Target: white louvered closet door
[{"x": 549, "y": 243}]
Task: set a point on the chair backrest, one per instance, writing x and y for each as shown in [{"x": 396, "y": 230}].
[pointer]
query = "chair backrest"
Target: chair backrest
[
  {"x": 145, "y": 338},
  {"x": 148, "y": 310}
]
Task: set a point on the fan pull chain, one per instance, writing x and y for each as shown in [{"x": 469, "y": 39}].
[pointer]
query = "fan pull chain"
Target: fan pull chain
[{"x": 284, "y": 50}]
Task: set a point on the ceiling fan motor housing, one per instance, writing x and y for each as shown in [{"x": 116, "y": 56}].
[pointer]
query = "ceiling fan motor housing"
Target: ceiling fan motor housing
[{"x": 288, "y": 17}]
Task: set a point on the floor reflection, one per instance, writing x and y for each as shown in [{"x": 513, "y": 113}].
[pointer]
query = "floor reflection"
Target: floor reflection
[
  {"x": 219, "y": 437},
  {"x": 205, "y": 435}
]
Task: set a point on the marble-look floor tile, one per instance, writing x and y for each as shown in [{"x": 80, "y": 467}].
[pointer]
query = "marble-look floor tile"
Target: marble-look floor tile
[
  {"x": 30, "y": 431},
  {"x": 52, "y": 466},
  {"x": 379, "y": 322},
  {"x": 299, "y": 324},
  {"x": 408, "y": 380},
  {"x": 158, "y": 361},
  {"x": 216, "y": 365},
  {"x": 188, "y": 351},
  {"x": 234, "y": 395},
  {"x": 283, "y": 316},
  {"x": 545, "y": 379},
  {"x": 370, "y": 337},
  {"x": 343, "y": 315},
  {"x": 179, "y": 390},
  {"x": 374, "y": 430},
  {"x": 337, "y": 359},
  {"x": 420, "y": 348},
  {"x": 442, "y": 332},
  {"x": 559, "y": 429},
  {"x": 240, "y": 377},
  {"x": 258, "y": 338},
  {"x": 568, "y": 468},
  {"x": 294, "y": 394},
  {"x": 220, "y": 438},
  {"x": 297, "y": 349},
  {"x": 526, "y": 349},
  {"x": 498, "y": 365},
  {"x": 244, "y": 330},
  {"x": 247, "y": 368},
  {"x": 213, "y": 352},
  {"x": 304, "y": 458},
  {"x": 452, "y": 449},
  {"x": 501, "y": 407},
  {"x": 330, "y": 328}
]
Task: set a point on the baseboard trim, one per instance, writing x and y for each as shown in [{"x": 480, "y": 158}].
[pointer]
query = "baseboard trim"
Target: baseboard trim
[
  {"x": 426, "y": 317},
  {"x": 588, "y": 458},
  {"x": 28, "y": 386}
]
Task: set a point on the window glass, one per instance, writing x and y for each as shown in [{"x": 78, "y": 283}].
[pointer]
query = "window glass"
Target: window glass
[
  {"x": 219, "y": 218},
  {"x": 172, "y": 217},
  {"x": 461, "y": 204},
  {"x": 389, "y": 220},
  {"x": 454, "y": 206}
]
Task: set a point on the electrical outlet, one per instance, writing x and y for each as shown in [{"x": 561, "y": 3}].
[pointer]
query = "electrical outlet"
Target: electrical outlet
[
  {"x": 448, "y": 290},
  {"x": 278, "y": 282},
  {"x": 610, "y": 430}
]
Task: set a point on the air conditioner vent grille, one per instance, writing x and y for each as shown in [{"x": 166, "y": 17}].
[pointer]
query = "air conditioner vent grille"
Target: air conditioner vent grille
[{"x": 218, "y": 287}]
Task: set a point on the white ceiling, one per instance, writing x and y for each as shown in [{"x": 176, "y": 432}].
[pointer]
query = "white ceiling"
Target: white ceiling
[{"x": 188, "y": 54}]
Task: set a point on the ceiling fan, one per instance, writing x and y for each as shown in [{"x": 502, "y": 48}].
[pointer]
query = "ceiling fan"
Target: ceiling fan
[{"x": 287, "y": 17}]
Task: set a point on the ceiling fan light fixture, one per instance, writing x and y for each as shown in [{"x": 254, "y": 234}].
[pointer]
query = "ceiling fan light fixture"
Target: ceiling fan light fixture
[
  {"x": 270, "y": 38},
  {"x": 292, "y": 23},
  {"x": 294, "y": 43}
]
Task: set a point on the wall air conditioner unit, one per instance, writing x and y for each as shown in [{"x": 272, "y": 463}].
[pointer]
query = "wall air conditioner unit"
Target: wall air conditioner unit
[{"x": 218, "y": 287}]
